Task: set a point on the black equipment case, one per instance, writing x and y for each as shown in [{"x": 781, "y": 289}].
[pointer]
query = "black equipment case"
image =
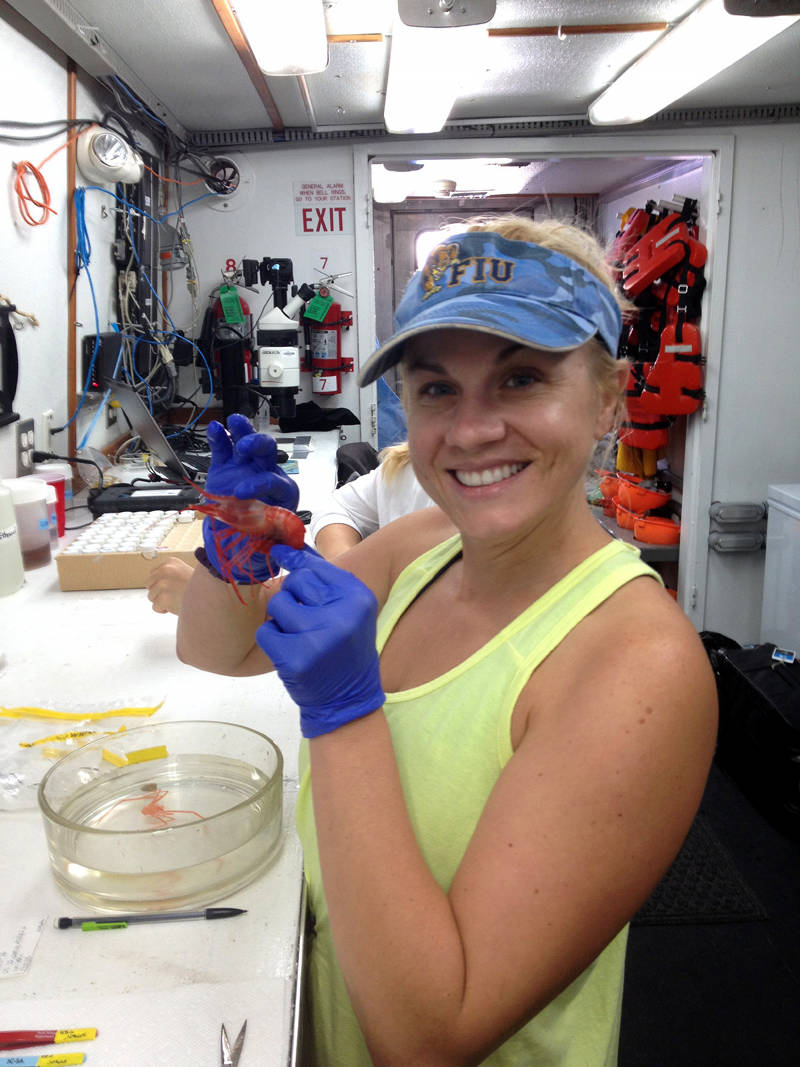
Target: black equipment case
[{"x": 759, "y": 729}]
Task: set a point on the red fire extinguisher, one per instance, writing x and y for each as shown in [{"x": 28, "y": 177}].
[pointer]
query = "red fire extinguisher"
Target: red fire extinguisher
[{"x": 325, "y": 348}]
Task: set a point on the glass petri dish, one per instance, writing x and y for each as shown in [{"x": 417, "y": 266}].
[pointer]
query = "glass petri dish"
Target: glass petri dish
[{"x": 164, "y": 816}]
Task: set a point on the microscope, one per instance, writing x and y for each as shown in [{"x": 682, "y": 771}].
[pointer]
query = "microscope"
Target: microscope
[{"x": 278, "y": 337}]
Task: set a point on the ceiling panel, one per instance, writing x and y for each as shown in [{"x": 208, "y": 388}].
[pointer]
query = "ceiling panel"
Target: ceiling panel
[
  {"x": 179, "y": 51},
  {"x": 351, "y": 90},
  {"x": 545, "y": 76}
]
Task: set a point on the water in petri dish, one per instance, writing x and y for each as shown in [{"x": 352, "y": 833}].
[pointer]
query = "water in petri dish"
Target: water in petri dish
[{"x": 175, "y": 833}]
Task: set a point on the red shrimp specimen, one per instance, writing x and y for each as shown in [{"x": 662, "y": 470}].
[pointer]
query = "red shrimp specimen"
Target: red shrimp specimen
[
  {"x": 154, "y": 808},
  {"x": 255, "y": 527}
]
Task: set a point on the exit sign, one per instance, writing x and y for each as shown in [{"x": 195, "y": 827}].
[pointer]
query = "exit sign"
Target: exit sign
[{"x": 322, "y": 208}]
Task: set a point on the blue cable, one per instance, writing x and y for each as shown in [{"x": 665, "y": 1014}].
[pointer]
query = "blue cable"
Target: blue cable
[
  {"x": 137, "y": 101},
  {"x": 83, "y": 254},
  {"x": 187, "y": 204},
  {"x": 143, "y": 272}
]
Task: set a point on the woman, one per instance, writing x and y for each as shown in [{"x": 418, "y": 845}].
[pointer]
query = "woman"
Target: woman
[
  {"x": 364, "y": 504},
  {"x": 499, "y": 787}
]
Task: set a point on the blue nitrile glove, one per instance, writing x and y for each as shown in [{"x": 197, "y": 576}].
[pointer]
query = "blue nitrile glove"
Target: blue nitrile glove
[
  {"x": 244, "y": 465},
  {"x": 321, "y": 638}
]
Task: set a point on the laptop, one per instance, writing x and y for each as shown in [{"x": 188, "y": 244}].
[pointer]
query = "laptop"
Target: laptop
[{"x": 145, "y": 426}]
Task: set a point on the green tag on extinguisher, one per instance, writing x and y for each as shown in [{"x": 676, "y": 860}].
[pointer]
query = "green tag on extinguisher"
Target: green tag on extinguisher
[
  {"x": 231, "y": 304},
  {"x": 318, "y": 307}
]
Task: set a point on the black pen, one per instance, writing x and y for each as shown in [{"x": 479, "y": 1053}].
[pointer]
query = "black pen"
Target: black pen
[{"x": 119, "y": 922}]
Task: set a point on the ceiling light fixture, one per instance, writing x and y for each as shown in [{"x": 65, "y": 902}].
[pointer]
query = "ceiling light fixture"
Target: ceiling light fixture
[
  {"x": 702, "y": 45},
  {"x": 286, "y": 39},
  {"x": 428, "y": 70}
]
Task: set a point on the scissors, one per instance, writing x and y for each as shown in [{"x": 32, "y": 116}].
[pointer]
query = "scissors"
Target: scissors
[{"x": 229, "y": 1057}]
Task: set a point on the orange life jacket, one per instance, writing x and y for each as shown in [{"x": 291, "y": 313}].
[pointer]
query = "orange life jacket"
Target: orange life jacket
[
  {"x": 641, "y": 428},
  {"x": 674, "y": 383},
  {"x": 656, "y": 252}
]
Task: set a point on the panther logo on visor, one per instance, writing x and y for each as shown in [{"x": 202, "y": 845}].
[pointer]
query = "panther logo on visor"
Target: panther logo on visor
[{"x": 435, "y": 266}]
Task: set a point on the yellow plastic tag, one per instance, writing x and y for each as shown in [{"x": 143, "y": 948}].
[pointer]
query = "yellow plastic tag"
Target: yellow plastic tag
[
  {"x": 70, "y": 735},
  {"x": 112, "y": 757},
  {"x": 143, "y": 755},
  {"x": 61, "y": 1059},
  {"x": 74, "y": 716},
  {"x": 87, "y": 1034}
]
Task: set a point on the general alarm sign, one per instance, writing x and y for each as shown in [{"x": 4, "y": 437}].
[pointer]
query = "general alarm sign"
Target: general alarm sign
[{"x": 322, "y": 208}]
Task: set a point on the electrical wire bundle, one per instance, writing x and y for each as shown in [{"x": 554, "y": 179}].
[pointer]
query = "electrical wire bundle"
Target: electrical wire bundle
[{"x": 146, "y": 336}]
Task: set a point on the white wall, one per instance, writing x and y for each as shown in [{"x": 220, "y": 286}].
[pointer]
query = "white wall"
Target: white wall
[
  {"x": 261, "y": 221},
  {"x": 34, "y": 272}
]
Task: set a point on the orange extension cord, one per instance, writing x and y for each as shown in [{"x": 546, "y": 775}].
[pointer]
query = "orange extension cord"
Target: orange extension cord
[{"x": 26, "y": 200}]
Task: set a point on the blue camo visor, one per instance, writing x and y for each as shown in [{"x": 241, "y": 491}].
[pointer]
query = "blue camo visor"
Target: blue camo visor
[{"x": 513, "y": 289}]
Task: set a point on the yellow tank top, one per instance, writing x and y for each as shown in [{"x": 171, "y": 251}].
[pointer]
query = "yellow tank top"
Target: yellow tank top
[{"x": 452, "y": 738}]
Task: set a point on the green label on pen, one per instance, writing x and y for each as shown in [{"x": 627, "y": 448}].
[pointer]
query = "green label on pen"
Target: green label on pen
[{"x": 104, "y": 926}]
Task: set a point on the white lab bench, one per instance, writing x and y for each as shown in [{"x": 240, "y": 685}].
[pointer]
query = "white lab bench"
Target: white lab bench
[{"x": 158, "y": 993}]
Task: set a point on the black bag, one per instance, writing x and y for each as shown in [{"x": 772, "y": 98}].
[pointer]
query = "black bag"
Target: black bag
[
  {"x": 759, "y": 730},
  {"x": 310, "y": 416},
  {"x": 354, "y": 459}
]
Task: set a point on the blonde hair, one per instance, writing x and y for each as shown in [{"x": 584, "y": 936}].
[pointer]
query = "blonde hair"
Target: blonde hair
[{"x": 393, "y": 459}]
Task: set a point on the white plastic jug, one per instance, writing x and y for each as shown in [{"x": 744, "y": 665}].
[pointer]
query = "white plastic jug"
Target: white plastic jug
[{"x": 12, "y": 573}]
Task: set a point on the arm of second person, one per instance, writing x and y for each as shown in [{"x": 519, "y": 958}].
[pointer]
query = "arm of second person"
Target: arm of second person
[
  {"x": 216, "y": 632},
  {"x": 354, "y": 504},
  {"x": 336, "y": 538},
  {"x": 167, "y": 584}
]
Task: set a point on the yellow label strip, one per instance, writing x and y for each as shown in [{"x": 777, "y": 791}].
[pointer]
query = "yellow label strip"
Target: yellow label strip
[
  {"x": 70, "y": 735},
  {"x": 87, "y": 1034},
  {"x": 112, "y": 757},
  {"x": 141, "y": 755},
  {"x": 144, "y": 755},
  {"x": 57, "y": 1059},
  {"x": 74, "y": 716}
]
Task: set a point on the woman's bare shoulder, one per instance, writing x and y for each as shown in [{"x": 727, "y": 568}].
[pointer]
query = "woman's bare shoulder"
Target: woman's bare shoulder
[{"x": 642, "y": 648}]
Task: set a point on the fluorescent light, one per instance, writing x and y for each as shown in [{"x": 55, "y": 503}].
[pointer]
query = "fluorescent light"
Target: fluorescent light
[
  {"x": 706, "y": 42},
  {"x": 427, "y": 68},
  {"x": 286, "y": 38}
]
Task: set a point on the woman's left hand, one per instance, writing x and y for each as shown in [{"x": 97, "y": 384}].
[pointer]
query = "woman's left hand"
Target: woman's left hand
[
  {"x": 244, "y": 464},
  {"x": 321, "y": 638}
]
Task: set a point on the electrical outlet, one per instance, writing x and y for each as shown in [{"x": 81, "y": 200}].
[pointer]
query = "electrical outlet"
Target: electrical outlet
[{"x": 25, "y": 446}]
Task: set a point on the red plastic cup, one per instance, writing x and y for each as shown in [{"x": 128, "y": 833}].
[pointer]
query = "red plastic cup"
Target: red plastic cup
[{"x": 58, "y": 483}]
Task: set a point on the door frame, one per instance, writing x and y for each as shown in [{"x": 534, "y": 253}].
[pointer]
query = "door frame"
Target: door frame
[{"x": 701, "y": 433}]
